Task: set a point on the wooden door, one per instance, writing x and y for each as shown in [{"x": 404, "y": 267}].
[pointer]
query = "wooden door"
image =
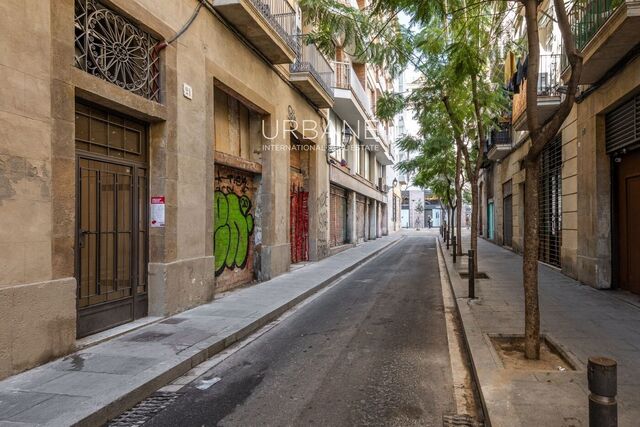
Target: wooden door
[
  {"x": 112, "y": 220},
  {"x": 628, "y": 221}
]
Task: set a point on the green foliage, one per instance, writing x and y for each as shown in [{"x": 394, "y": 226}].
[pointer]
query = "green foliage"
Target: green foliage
[
  {"x": 389, "y": 105},
  {"x": 452, "y": 44},
  {"x": 364, "y": 34}
]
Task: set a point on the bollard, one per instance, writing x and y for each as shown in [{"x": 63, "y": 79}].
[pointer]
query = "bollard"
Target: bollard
[
  {"x": 603, "y": 384},
  {"x": 454, "y": 248},
  {"x": 472, "y": 274}
]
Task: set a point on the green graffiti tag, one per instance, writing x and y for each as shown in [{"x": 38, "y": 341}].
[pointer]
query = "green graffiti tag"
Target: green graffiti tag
[{"x": 233, "y": 226}]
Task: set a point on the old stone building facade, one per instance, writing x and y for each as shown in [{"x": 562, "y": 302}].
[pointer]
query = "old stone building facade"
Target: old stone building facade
[
  {"x": 154, "y": 154},
  {"x": 589, "y": 173}
]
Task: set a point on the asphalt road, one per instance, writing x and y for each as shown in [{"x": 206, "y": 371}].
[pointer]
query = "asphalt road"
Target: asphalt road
[{"x": 371, "y": 350}]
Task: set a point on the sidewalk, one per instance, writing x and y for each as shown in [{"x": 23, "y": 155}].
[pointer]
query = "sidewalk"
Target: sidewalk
[
  {"x": 583, "y": 321},
  {"x": 91, "y": 386}
]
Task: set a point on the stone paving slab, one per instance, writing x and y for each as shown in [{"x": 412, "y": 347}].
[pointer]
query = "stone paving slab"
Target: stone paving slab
[
  {"x": 581, "y": 320},
  {"x": 97, "y": 383}
]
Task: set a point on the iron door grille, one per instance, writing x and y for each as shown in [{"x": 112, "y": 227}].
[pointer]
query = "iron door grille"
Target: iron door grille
[
  {"x": 550, "y": 203},
  {"x": 622, "y": 126},
  {"x": 112, "y": 219}
]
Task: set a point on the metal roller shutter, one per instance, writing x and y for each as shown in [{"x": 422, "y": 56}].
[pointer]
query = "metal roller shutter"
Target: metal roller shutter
[
  {"x": 622, "y": 126},
  {"x": 338, "y": 216},
  {"x": 360, "y": 219},
  {"x": 507, "y": 214}
]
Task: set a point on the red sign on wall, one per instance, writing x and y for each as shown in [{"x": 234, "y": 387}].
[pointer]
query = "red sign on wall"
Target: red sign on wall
[{"x": 157, "y": 211}]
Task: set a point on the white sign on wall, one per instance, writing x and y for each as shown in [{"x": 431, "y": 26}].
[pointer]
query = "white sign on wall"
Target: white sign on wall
[{"x": 157, "y": 211}]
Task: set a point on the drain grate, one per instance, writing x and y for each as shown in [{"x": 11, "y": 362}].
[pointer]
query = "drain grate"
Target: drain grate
[
  {"x": 144, "y": 411},
  {"x": 460, "y": 420}
]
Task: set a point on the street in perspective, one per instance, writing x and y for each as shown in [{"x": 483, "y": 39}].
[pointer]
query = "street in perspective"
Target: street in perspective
[{"x": 320, "y": 212}]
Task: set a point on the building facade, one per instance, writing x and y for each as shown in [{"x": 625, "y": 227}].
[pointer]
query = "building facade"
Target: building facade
[
  {"x": 154, "y": 154},
  {"x": 359, "y": 152},
  {"x": 589, "y": 172}
]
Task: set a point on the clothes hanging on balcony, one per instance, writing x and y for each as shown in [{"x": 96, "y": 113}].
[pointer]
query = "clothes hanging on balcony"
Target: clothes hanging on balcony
[
  {"x": 521, "y": 74},
  {"x": 509, "y": 67}
]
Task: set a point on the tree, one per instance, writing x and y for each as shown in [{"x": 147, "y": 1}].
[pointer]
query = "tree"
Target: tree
[
  {"x": 454, "y": 49},
  {"x": 540, "y": 135}
]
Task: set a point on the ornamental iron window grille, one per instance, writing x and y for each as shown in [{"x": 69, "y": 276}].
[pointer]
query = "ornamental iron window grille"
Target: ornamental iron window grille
[{"x": 111, "y": 47}]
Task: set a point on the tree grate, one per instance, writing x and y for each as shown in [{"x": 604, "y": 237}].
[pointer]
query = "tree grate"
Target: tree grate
[
  {"x": 460, "y": 420},
  {"x": 144, "y": 411}
]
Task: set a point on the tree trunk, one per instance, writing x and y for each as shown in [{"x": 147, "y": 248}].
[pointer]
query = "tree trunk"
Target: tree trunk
[
  {"x": 459, "y": 223},
  {"x": 459, "y": 203},
  {"x": 474, "y": 220},
  {"x": 530, "y": 262},
  {"x": 452, "y": 225}
]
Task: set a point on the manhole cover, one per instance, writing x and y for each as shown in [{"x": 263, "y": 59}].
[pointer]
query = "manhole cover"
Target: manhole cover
[
  {"x": 458, "y": 420},
  {"x": 144, "y": 411},
  {"x": 479, "y": 275}
]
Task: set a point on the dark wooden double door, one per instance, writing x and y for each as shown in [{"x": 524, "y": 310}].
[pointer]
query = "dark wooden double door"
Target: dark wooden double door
[
  {"x": 111, "y": 232},
  {"x": 627, "y": 186}
]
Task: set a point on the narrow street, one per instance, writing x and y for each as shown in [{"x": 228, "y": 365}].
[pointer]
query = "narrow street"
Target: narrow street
[{"x": 370, "y": 350}]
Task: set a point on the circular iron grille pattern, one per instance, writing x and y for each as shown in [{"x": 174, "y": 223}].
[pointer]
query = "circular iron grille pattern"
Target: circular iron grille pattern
[{"x": 118, "y": 49}]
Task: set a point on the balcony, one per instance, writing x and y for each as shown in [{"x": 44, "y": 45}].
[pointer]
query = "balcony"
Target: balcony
[
  {"x": 267, "y": 24},
  {"x": 499, "y": 143},
  {"x": 351, "y": 97},
  {"x": 352, "y": 104},
  {"x": 605, "y": 31},
  {"x": 312, "y": 75},
  {"x": 548, "y": 95}
]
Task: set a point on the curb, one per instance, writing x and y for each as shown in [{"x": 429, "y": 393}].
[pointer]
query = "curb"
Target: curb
[
  {"x": 474, "y": 371},
  {"x": 205, "y": 350}
]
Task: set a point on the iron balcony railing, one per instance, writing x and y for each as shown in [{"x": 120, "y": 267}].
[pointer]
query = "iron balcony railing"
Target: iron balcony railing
[
  {"x": 588, "y": 16},
  {"x": 310, "y": 59},
  {"x": 281, "y": 16},
  {"x": 549, "y": 72},
  {"x": 346, "y": 79},
  {"x": 499, "y": 136}
]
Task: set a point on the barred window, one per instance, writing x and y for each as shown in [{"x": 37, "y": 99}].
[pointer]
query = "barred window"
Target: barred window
[{"x": 111, "y": 47}]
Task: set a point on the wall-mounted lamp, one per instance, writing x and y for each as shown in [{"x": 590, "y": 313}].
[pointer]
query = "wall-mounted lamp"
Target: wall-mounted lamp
[{"x": 347, "y": 136}]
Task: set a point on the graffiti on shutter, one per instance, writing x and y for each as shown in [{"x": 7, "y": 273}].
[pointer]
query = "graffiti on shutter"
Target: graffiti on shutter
[{"x": 234, "y": 217}]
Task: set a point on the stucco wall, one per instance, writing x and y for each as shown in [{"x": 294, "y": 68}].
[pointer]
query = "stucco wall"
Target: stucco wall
[
  {"x": 37, "y": 312},
  {"x": 594, "y": 176}
]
